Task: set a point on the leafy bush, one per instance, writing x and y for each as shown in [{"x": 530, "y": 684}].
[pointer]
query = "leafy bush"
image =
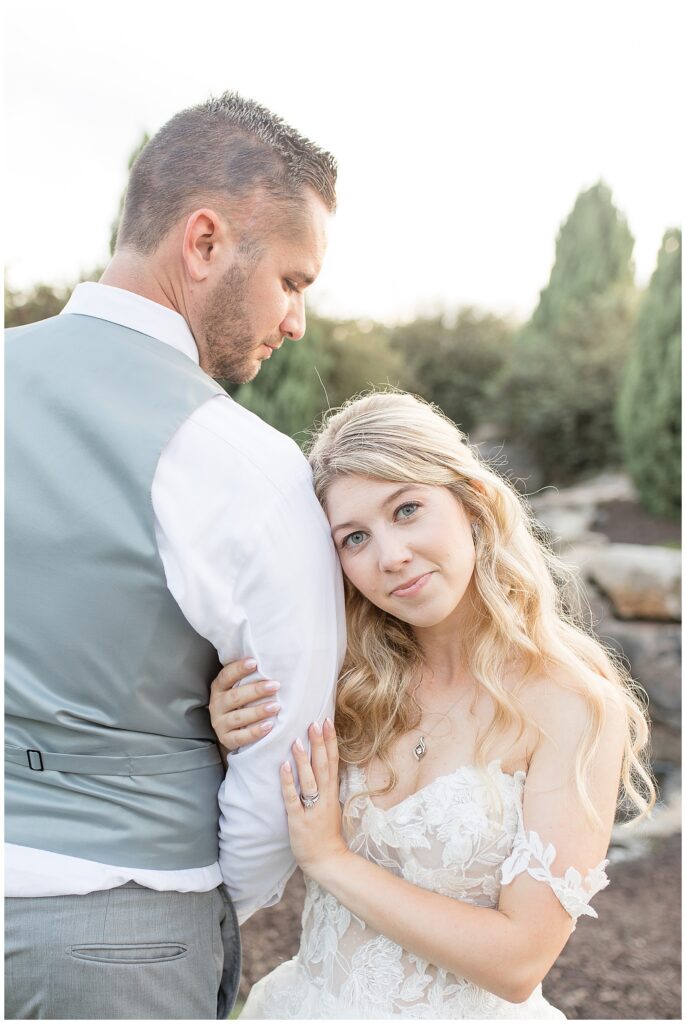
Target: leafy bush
[
  {"x": 331, "y": 363},
  {"x": 39, "y": 303},
  {"x": 454, "y": 365}
]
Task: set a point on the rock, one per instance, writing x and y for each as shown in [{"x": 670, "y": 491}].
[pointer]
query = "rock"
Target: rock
[
  {"x": 571, "y": 514},
  {"x": 635, "y": 838},
  {"x": 569, "y": 524},
  {"x": 653, "y": 650},
  {"x": 642, "y": 582},
  {"x": 599, "y": 490},
  {"x": 665, "y": 743}
]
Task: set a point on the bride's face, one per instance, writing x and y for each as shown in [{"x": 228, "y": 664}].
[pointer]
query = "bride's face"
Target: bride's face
[{"x": 407, "y": 547}]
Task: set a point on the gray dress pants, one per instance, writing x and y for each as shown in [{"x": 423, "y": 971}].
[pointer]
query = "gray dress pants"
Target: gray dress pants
[{"x": 125, "y": 953}]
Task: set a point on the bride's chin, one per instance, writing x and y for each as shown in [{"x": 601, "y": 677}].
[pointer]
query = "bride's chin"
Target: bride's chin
[{"x": 421, "y": 620}]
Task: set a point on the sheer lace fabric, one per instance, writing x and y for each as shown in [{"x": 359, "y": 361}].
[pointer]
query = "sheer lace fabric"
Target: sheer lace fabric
[{"x": 461, "y": 836}]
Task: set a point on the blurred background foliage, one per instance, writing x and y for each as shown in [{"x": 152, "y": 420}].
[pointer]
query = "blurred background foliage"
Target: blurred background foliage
[
  {"x": 557, "y": 392},
  {"x": 649, "y": 402},
  {"x": 590, "y": 381}
]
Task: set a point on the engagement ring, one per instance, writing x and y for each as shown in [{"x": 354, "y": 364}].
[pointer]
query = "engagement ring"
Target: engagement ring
[{"x": 309, "y": 801}]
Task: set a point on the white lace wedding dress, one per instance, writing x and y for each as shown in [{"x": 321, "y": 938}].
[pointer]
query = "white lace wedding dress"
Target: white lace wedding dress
[{"x": 448, "y": 837}]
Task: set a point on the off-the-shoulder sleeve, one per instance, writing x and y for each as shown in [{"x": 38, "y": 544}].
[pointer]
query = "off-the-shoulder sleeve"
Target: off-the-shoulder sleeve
[{"x": 573, "y": 891}]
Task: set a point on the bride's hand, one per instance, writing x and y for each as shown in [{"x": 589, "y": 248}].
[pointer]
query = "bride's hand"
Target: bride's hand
[
  {"x": 233, "y": 720},
  {"x": 315, "y": 832}
]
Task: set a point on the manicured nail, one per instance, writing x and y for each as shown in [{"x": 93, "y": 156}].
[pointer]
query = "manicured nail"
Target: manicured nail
[
  {"x": 328, "y": 722},
  {"x": 272, "y": 687},
  {"x": 316, "y": 728},
  {"x": 266, "y": 727},
  {"x": 250, "y": 663},
  {"x": 299, "y": 745},
  {"x": 286, "y": 767},
  {"x": 274, "y": 706}
]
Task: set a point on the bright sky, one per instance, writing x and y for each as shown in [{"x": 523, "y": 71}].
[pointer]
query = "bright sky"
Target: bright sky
[{"x": 464, "y": 130}]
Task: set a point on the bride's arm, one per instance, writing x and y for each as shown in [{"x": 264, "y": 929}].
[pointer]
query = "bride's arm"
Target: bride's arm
[{"x": 507, "y": 950}]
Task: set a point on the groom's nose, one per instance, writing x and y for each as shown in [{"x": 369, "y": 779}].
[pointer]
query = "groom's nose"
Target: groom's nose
[{"x": 293, "y": 324}]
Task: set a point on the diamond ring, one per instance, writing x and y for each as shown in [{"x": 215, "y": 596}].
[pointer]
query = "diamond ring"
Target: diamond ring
[{"x": 309, "y": 800}]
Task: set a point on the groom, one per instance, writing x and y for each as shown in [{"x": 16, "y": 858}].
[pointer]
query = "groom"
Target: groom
[{"x": 155, "y": 529}]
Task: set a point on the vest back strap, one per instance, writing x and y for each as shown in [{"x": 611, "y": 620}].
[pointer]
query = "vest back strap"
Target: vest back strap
[{"x": 102, "y": 764}]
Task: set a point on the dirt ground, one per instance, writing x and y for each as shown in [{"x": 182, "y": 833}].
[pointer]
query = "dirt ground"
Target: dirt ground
[
  {"x": 624, "y": 965},
  {"x": 626, "y": 522}
]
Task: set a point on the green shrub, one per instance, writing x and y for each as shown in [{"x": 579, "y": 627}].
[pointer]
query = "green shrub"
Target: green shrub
[
  {"x": 454, "y": 365},
  {"x": 331, "y": 363}
]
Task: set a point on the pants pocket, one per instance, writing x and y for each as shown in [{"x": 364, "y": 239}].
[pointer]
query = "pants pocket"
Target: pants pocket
[{"x": 130, "y": 952}]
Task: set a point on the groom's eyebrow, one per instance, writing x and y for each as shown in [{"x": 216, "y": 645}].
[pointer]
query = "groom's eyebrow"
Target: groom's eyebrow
[{"x": 387, "y": 501}]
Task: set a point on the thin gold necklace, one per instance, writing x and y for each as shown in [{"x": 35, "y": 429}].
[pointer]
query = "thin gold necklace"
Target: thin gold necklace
[{"x": 420, "y": 749}]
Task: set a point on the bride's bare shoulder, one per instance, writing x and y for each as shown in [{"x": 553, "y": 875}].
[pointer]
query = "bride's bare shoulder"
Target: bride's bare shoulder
[{"x": 561, "y": 707}]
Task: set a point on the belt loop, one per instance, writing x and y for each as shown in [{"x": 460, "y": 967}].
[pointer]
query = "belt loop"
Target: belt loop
[{"x": 33, "y": 767}]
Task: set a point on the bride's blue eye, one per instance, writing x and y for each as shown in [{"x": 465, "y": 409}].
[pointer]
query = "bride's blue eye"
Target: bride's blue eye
[
  {"x": 353, "y": 540},
  {"x": 407, "y": 510}
]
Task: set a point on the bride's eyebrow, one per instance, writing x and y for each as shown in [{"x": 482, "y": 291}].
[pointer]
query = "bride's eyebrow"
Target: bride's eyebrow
[{"x": 387, "y": 501}]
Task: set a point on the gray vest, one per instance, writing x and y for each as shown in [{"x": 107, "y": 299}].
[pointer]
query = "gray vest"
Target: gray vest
[{"x": 110, "y": 753}]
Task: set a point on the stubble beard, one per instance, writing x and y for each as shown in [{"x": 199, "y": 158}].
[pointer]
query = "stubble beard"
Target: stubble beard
[{"x": 230, "y": 342}]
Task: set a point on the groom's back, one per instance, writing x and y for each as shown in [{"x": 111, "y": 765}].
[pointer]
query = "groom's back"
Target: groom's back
[{"x": 102, "y": 667}]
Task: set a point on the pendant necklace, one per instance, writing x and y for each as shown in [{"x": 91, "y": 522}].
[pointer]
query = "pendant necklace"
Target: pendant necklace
[{"x": 420, "y": 749}]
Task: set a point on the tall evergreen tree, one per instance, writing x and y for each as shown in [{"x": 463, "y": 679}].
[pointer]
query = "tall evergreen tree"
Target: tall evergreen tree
[
  {"x": 592, "y": 254},
  {"x": 649, "y": 404},
  {"x": 558, "y": 391}
]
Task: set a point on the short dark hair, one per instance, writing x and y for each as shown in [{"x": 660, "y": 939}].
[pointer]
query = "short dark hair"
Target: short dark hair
[{"x": 224, "y": 149}]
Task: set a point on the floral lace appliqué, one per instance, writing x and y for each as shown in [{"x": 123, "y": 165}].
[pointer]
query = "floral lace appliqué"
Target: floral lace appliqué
[
  {"x": 453, "y": 837},
  {"x": 573, "y": 892}
]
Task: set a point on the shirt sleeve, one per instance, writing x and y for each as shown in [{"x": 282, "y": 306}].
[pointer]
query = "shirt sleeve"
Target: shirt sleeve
[{"x": 249, "y": 559}]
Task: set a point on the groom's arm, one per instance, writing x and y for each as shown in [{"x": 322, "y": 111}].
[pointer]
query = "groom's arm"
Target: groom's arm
[
  {"x": 248, "y": 557},
  {"x": 288, "y": 592}
]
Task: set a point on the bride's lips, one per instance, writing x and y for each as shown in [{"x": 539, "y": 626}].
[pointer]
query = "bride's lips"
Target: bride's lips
[{"x": 412, "y": 587}]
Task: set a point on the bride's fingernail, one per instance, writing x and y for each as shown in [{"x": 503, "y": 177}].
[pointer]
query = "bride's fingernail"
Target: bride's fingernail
[
  {"x": 274, "y": 706},
  {"x": 299, "y": 745},
  {"x": 286, "y": 767},
  {"x": 316, "y": 728},
  {"x": 271, "y": 687},
  {"x": 266, "y": 727},
  {"x": 327, "y": 721},
  {"x": 250, "y": 663}
]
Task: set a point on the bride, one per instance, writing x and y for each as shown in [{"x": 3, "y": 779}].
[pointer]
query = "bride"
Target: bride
[{"x": 482, "y": 737}]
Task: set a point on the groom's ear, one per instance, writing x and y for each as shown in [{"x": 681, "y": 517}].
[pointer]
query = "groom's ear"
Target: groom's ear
[{"x": 207, "y": 244}]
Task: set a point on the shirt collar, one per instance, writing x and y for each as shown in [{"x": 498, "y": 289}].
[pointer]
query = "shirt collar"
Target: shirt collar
[{"x": 135, "y": 312}]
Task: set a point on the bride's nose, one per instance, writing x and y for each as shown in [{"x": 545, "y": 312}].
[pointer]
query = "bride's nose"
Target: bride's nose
[{"x": 393, "y": 553}]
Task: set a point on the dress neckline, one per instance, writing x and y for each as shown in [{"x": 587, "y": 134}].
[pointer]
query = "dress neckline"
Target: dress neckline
[{"x": 493, "y": 767}]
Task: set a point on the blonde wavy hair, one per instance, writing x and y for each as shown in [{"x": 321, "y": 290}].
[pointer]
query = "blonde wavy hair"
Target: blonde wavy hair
[{"x": 520, "y": 615}]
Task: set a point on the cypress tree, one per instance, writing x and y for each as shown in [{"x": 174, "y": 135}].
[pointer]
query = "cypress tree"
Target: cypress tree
[
  {"x": 649, "y": 403},
  {"x": 558, "y": 390}
]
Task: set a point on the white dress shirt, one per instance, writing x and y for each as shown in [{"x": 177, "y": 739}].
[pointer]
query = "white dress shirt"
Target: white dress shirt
[{"x": 249, "y": 559}]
